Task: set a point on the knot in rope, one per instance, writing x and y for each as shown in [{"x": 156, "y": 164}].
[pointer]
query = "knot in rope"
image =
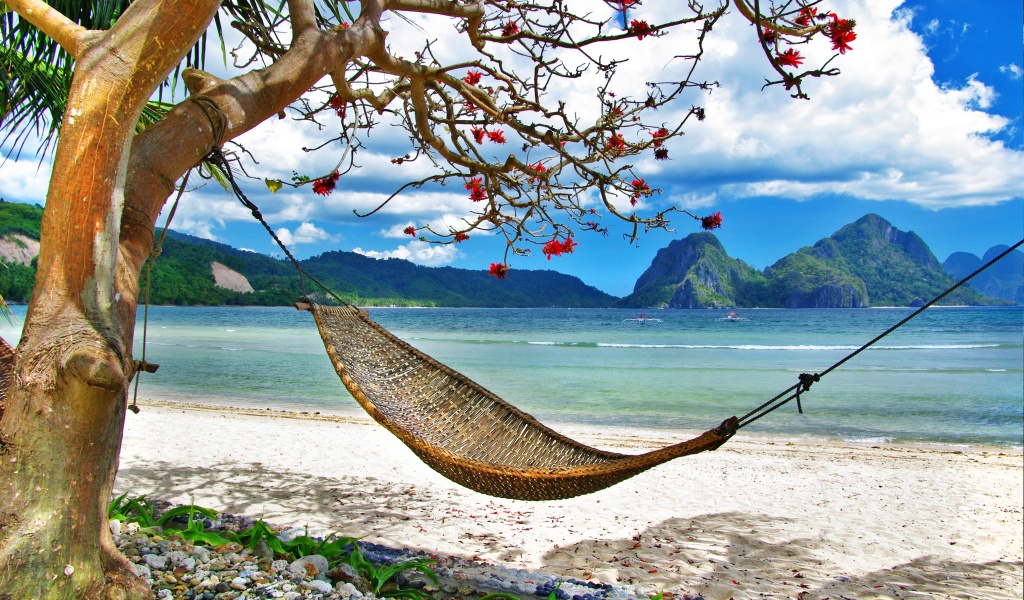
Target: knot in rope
[{"x": 806, "y": 380}]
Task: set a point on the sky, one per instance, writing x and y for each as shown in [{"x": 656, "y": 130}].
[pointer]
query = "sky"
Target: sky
[{"x": 923, "y": 127}]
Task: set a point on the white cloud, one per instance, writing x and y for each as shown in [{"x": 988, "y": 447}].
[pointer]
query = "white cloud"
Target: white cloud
[
  {"x": 25, "y": 180},
  {"x": 306, "y": 233},
  {"x": 883, "y": 129},
  {"x": 421, "y": 253},
  {"x": 1012, "y": 70}
]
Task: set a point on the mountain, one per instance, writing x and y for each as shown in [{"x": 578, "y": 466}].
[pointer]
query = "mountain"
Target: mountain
[
  {"x": 866, "y": 263},
  {"x": 694, "y": 272},
  {"x": 1003, "y": 280},
  {"x": 195, "y": 271}
]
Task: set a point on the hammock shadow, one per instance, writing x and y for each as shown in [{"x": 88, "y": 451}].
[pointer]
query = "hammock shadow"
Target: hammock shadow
[{"x": 726, "y": 555}]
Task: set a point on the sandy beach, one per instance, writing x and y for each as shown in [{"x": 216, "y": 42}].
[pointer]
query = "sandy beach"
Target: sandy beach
[{"x": 757, "y": 518}]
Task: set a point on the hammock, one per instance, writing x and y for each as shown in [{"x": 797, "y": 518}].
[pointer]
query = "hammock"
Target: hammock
[{"x": 467, "y": 433}]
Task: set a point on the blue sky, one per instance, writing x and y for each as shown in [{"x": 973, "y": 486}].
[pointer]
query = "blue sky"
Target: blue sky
[{"x": 924, "y": 127}]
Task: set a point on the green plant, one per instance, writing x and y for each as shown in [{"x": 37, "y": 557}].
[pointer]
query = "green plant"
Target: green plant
[
  {"x": 195, "y": 529},
  {"x": 131, "y": 510},
  {"x": 380, "y": 577}
]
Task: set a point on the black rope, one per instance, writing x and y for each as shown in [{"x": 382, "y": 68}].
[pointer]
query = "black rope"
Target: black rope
[
  {"x": 217, "y": 159},
  {"x": 793, "y": 392}
]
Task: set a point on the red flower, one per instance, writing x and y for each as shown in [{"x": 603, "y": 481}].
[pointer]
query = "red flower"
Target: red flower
[
  {"x": 325, "y": 185},
  {"x": 658, "y": 136},
  {"x": 478, "y": 134},
  {"x": 790, "y": 58},
  {"x": 338, "y": 105},
  {"x": 712, "y": 221},
  {"x": 616, "y": 142},
  {"x": 476, "y": 189},
  {"x": 510, "y": 29},
  {"x": 639, "y": 28},
  {"x": 472, "y": 78},
  {"x": 539, "y": 168},
  {"x": 556, "y": 248},
  {"x": 498, "y": 270},
  {"x": 841, "y": 32},
  {"x": 498, "y": 137},
  {"x": 661, "y": 154},
  {"x": 806, "y": 14},
  {"x": 769, "y": 36},
  {"x": 410, "y": 230},
  {"x": 461, "y": 237}
]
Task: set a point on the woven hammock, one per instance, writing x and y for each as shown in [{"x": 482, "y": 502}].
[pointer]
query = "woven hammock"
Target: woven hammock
[{"x": 467, "y": 433}]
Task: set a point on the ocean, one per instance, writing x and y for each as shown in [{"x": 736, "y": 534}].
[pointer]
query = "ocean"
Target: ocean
[{"x": 950, "y": 376}]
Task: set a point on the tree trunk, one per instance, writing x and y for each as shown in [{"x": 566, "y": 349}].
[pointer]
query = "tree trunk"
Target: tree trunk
[{"x": 61, "y": 430}]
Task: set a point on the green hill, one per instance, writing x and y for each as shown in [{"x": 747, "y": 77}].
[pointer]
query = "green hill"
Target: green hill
[
  {"x": 866, "y": 263},
  {"x": 182, "y": 275}
]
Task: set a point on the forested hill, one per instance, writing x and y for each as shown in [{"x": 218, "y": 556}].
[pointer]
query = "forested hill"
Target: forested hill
[
  {"x": 866, "y": 263},
  {"x": 183, "y": 275}
]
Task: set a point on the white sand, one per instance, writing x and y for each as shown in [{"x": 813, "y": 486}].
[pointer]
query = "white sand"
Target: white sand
[{"x": 755, "y": 518}]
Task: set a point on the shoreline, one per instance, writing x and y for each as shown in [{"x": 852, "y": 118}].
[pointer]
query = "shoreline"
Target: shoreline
[
  {"x": 756, "y": 517},
  {"x": 654, "y": 436}
]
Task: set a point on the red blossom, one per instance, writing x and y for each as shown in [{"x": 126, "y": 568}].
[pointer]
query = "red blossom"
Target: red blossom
[
  {"x": 633, "y": 201},
  {"x": 661, "y": 154},
  {"x": 711, "y": 221},
  {"x": 769, "y": 36},
  {"x": 510, "y": 29},
  {"x": 790, "y": 58},
  {"x": 539, "y": 168},
  {"x": 338, "y": 105},
  {"x": 841, "y": 32},
  {"x": 498, "y": 270},
  {"x": 472, "y": 77},
  {"x": 461, "y": 237},
  {"x": 325, "y": 185},
  {"x": 478, "y": 134},
  {"x": 616, "y": 142},
  {"x": 659, "y": 136},
  {"x": 498, "y": 136},
  {"x": 476, "y": 189},
  {"x": 639, "y": 28},
  {"x": 410, "y": 230},
  {"x": 806, "y": 14},
  {"x": 554, "y": 247}
]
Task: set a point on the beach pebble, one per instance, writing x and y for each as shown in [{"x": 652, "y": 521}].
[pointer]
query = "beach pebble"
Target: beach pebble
[
  {"x": 115, "y": 527},
  {"x": 155, "y": 561},
  {"x": 319, "y": 586},
  {"x": 289, "y": 535},
  {"x": 279, "y": 565},
  {"x": 143, "y": 572},
  {"x": 312, "y": 565},
  {"x": 347, "y": 590}
]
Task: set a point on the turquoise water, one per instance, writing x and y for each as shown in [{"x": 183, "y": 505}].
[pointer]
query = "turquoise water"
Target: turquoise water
[{"x": 952, "y": 375}]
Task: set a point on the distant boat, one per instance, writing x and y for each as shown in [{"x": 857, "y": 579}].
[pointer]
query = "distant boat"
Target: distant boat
[
  {"x": 732, "y": 316},
  {"x": 641, "y": 319}
]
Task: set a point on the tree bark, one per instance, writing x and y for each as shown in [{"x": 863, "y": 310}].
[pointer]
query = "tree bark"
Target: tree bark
[{"x": 60, "y": 434}]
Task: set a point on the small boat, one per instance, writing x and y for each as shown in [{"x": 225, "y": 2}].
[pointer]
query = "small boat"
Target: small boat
[
  {"x": 732, "y": 316},
  {"x": 642, "y": 319}
]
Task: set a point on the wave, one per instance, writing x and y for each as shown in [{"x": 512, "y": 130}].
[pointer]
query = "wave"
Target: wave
[{"x": 763, "y": 347}]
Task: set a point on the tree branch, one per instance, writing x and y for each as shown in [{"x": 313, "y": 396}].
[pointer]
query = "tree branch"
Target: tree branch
[{"x": 70, "y": 35}]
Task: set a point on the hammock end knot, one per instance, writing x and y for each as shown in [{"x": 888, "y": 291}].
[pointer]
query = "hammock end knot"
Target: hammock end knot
[{"x": 727, "y": 428}]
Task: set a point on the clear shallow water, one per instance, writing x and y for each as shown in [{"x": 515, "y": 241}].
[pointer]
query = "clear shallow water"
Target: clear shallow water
[{"x": 952, "y": 375}]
